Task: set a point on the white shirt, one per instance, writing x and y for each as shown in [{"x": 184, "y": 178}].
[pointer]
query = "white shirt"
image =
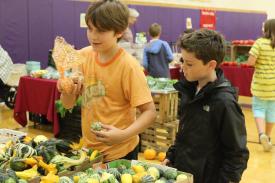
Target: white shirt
[{"x": 5, "y": 65}]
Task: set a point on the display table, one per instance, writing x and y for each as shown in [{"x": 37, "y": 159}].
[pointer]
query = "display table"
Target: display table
[
  {"x": 240, "y": 77},
  {"x": 175, "y": 72},
  {"x": 37, "y": 96}
]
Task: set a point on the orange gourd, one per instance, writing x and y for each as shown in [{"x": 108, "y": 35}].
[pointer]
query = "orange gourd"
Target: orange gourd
[
  {"x": 150, "y": 154},
  {"x": 161, "y": 156}
]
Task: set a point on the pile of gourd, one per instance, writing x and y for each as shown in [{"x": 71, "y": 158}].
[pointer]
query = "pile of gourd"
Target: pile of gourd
[
  {"x": 29, "y": 158},
  {"x": 139, "y": 173}
]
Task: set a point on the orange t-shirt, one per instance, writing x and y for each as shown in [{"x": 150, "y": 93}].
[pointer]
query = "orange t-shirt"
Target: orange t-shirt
[{"x": 111, "y": 93}]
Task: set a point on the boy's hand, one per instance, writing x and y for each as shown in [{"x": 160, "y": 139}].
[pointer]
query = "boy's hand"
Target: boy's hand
[
  {"x": 165, "y": 162},
  {"x": 70, "y": 86},
  {"x": 109, "y": 135}
]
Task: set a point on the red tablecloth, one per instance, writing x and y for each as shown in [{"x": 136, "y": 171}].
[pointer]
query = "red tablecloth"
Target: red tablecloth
[
  {"x": 37, "y": 96},
  {"x": 240, "y": 77},
  {"x": 175, "y": 72}
]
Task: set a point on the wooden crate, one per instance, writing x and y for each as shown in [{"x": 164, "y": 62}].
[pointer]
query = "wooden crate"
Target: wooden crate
[
  {"x": 159, "y": 136},
  {"x": 166, "y": 105}
]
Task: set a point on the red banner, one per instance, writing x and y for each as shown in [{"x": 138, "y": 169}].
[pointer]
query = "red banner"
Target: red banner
[{"x": 208, "y": 19}]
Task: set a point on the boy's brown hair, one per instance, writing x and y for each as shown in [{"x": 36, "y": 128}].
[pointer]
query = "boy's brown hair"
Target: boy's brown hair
[
  {"x": 155, "y": 30},
  {"x": 206, "y": 44},
  {"x": 108, "y": 15}
]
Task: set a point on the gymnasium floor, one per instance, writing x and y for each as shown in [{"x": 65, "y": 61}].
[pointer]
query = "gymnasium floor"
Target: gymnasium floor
[{"x": 261, "y": 165}]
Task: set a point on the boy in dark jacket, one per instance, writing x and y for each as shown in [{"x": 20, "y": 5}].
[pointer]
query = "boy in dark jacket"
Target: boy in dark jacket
[
  {"x": 157, "y": 54},
  {"x": 211, "y": 140}
]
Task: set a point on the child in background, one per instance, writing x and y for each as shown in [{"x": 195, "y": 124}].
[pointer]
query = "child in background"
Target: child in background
[
  {"x": 157, "y": 54},
  {"x": 262, "y": 55},
  {"x": 211, "y": 139},
  {"x": 114, "y": 86}
]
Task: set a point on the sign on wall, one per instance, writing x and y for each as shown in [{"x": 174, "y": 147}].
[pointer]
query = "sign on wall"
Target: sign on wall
[{"x": 208, "y": 19}]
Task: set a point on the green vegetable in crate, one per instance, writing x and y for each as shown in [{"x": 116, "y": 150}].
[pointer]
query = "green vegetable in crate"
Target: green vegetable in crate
[
  {"x": 182, "y": 178},
  {"x": 107, "y": 178},
  {"x": 170, "y": 173},
  {"x": 115, "y": 172},
  {"x": 65, "y": 179},
  {"x": 147, "y": 179},
  {"x": 24, "y": 151},
  {"x": 18, "y": 164},
  {"x": 96, "y": 126},
  {"x": 154, "y": 172}
]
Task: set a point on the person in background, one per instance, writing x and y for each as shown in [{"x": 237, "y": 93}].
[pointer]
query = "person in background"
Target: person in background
[
  {"x": 127, "y": 35},
  {"x": 5, "y": 65},
  {"x": 5, "y": 70},
  {"x": 114, "y": 86},
  {"x": 157, "y": 54},
  {"x": 211, "y": 139},
  {"x": 262, "y": 56}
]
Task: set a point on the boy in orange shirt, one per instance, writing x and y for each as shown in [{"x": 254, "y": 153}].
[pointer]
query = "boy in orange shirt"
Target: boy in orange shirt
[{"x": 114, "y": 86}]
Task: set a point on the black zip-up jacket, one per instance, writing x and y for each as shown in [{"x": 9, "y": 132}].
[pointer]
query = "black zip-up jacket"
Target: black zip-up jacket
[{"x": 211, "y": 140}]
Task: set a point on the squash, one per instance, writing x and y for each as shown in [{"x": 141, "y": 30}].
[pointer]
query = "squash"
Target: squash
[
  {"x": 18, "y": 164},
  {"x": 96, "y": 126},
  {"x": 114, "y": 172},
  {"x": 170, "y": 173},
  {"x": 126, "y": 178},
  {"x": 137, "y": 177},
  {"x": 138, "y": 168},
  {"x": 65, "y": 179},
  {"x": 94, "y": 154},
  {"x": 39, "y": 138},
  {"x": 154, "y": 172},
  {"x": 150, "y": 154},
  {"x": 50, "y": 178},
  {"x": 107, "y": 178},
  {"x": 128, "y": 171},
  {"x": 182, "y": 178},
  {"x": 121, "y": 168},
  {"x": 28, "y": 174},
  {"x": 147, "y": 179},
  {"x": 161, "y": 156},
  {"x": 24, "y": 151}
]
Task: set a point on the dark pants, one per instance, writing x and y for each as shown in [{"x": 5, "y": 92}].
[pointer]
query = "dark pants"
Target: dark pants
[{"x": 133, "y": 155}]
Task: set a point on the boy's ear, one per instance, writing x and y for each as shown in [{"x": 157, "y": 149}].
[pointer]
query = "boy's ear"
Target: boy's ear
[
  {"x": 118, "y": 35},
  {"x": 212, "y": 64}
]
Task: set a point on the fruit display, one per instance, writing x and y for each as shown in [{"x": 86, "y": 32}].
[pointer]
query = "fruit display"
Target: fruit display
[{"x": 160, "y": 84}]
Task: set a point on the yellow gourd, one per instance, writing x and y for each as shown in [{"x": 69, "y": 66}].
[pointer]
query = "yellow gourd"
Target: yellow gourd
[
  {"x": 94, "y": 154},
  {"x": 28, "y": 174},
  {"x": 126, "y": 178},
  {"x": 138, "y": 168},
  {"x": 50, "y": 178}
]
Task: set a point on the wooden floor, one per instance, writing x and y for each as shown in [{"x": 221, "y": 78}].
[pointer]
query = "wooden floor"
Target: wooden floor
[{"x": 261, "y": 165}]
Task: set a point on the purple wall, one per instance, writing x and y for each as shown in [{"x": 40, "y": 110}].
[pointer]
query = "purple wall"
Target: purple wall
[
  {"x": 28, "y": 27},
  {"x": 233, "y": 25}
]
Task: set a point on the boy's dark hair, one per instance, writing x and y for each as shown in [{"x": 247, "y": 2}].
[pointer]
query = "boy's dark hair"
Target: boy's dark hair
[
  {"x": 269, "y": 31},
  {"x": 108, "y": 15},
  {"x": 206, "y": 44},
  {"x": 155, "y": 30}
]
